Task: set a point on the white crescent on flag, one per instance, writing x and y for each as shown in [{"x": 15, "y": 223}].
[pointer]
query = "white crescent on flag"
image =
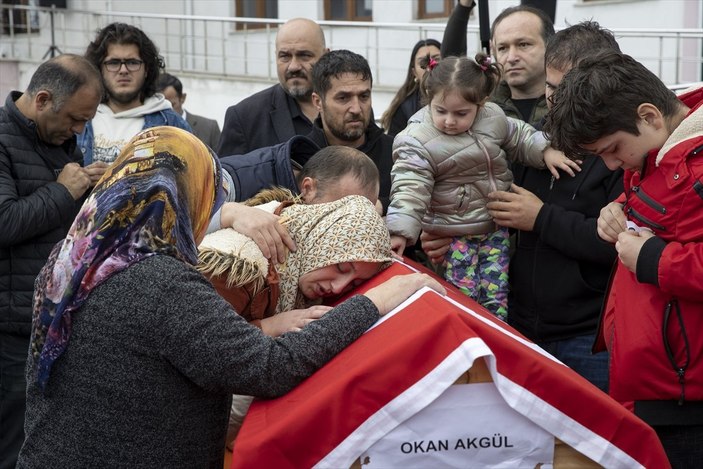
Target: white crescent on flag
[{"x": 406, "y": 362}]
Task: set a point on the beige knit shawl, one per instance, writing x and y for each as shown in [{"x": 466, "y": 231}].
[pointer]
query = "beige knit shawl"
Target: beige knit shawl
[{"x": 346, "y": 230}]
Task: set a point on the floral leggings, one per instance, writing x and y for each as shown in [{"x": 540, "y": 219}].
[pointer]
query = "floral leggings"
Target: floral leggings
[{"x": 478, "y": 266}]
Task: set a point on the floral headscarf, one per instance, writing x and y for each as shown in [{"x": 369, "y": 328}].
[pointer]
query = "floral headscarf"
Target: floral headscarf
[
  {"x": 346, "y": 230},
  {"x": 157, "y": 197}
]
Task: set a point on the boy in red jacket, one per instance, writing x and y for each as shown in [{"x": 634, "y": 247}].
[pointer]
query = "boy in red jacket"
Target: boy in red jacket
[{"x": 613, "y": 106}]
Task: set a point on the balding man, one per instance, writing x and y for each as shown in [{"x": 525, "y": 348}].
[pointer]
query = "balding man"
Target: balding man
[
  {"x": 276, "y": 114},
  {"x": 41, "y": 189}
]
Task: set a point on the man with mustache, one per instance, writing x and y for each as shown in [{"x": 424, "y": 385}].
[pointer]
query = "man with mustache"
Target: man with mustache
[
  {"x": 130, "y": 65},
  {"x": 276, "y": 114},
  {"x": 342, "y": 83}
]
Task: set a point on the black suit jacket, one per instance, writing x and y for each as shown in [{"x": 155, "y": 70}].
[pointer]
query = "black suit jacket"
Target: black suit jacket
[
  {"x": 207, "y": 130},
  {"x": 261, "y": 120}
]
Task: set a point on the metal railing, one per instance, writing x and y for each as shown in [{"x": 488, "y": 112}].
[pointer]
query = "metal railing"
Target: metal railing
[{"x": 243, "y": 48}]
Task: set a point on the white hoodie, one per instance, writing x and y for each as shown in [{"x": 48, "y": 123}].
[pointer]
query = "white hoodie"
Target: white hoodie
[{"x": 112, "y": 131}]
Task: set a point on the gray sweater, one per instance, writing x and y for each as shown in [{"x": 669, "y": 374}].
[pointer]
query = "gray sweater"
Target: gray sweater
[{"x": 154, "y": 357}]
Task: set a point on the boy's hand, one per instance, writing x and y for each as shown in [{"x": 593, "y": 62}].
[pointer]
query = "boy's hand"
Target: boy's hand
[
  {"x": 555, "y": 160},
  {"x": 611, "y": 222},
  {"x": 75, "y": 179},
  {"x": 629, "y": 245},
  {"x": 95, "y": 171}
]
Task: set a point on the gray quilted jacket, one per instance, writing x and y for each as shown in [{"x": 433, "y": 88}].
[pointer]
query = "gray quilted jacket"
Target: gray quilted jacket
[{"x": 441, "y": 182}]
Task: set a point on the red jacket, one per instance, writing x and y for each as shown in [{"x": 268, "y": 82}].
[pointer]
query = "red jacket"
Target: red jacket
[{"x": 653, "y": 320}]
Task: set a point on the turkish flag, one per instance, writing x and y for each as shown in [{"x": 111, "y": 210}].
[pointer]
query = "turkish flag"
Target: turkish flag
[{"x": 406, "y": 361}]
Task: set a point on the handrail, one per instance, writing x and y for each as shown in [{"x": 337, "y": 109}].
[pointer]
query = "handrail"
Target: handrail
[{"x": 229, "y": 48}]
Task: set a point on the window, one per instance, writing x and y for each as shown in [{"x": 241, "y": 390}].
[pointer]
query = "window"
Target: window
[
  {"x": 348, "y": 10},
  {"x": 18, "y": 21},
  {"x": 256, "y": 9},
  {"x": 434, "y": 8}
]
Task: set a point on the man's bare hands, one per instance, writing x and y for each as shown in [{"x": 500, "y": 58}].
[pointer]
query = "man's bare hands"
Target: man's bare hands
[
  {"x": 435, "y": 246},
  {"x": 75, "y": 179},
  {"x": 629, "y": 245},
  {"x": 293, "y": 320},
  {"x": 95, "y": 171},
  {"x": 517, "y": 209}
]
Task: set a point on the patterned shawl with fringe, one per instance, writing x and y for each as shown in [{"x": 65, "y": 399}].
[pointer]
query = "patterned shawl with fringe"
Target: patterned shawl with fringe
[{"x": 346, "y": 230}]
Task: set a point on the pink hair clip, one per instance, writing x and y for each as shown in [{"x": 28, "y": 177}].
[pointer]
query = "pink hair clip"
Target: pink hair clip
[
  {"x": 431, "y": 64},
  {"x": 486, "y": 63}
]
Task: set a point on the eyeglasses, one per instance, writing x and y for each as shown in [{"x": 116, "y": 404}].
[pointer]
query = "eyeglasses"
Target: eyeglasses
[{"x": 114, "y": 65}]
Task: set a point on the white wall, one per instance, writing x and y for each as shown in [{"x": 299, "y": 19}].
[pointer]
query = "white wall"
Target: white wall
[{"x": 211, "y": 97}]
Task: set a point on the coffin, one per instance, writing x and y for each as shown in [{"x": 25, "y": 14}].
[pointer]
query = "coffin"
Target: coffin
[{"x": 392, "y": 379}]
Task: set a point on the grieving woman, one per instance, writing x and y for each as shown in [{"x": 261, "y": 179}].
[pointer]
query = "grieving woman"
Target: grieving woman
[
  {"x": 339, "y": 245},
  {"x": 134, "y": 356}
]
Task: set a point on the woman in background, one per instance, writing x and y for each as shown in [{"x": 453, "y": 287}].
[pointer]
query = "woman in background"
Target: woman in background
[{"x": 408, "y": 99}]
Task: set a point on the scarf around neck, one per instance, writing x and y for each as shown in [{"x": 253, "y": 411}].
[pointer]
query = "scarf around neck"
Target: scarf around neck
[{"x": 346, "y": 230}]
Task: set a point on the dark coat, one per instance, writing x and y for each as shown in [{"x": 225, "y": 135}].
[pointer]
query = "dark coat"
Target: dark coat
[
  {"x": 207, "y": 130},
  {"x": 35, "y": 211},
  {"x": 261, "y": 120},
  {"x": 174, "y": 362},
  {"x": 405, "y": 111},
  {"x": 267, "y": 167},
  {"x": 559, "y": 271},
  {"x": 377, "y": 145}
]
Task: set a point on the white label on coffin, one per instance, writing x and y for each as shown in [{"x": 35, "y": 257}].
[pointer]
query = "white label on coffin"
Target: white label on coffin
[{"x": 469, "y": 425}]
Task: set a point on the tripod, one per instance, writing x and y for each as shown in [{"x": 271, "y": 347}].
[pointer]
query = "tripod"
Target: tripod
[{"x": 53, "y": 50}]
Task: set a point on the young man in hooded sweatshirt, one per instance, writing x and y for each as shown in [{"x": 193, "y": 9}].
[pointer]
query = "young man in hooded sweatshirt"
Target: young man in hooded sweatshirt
[{"x": 129, "y": 63}]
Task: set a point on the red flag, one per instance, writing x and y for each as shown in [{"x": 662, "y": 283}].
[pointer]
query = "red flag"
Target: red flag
[{"x": 402, "y": 364}]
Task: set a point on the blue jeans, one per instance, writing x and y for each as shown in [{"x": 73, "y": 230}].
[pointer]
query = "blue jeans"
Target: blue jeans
[
  {"x": 13, "y": 357},
  {"x": 576, "y": 354}
]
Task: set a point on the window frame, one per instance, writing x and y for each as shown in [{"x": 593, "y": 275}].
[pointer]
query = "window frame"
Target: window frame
[
  {"x": 23, "y": 21},
  {"x": 350, "y": 9},
  {"x": 260, "y": 13},
  {"x": 422, "y": 6}
]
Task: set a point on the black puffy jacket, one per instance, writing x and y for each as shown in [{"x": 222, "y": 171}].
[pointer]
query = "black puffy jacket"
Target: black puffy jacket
[{"x": 35, "y": 211}]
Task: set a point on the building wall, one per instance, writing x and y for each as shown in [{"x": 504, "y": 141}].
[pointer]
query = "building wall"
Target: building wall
[{"x": 251, "y": 53}]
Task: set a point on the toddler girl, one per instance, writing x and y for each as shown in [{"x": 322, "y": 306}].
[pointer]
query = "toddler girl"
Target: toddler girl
[{"x": 450, "y": 156}]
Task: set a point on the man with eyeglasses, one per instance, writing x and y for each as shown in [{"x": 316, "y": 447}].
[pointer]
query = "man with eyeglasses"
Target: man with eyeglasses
[{"x": 130, "y": 65}]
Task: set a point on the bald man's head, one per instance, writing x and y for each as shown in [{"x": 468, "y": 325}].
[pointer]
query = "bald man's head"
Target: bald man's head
[
  {"x": 300, "y": 43},
  {"x": 338, "y": 171}
]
